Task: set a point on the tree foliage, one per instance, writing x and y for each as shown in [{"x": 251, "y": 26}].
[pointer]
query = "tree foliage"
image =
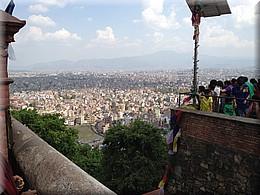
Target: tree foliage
[
  {"x": 132, "y": 162},
  {"x": 51, "y": 128},
  {"x": 134, "y": 158}
]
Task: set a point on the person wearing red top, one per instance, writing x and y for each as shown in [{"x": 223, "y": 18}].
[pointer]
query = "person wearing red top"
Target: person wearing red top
[{"x": 9, "y": 184}]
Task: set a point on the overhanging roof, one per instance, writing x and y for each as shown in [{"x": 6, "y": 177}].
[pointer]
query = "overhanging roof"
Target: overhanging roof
[
  {"x": 7, "y": 18},
  {"x": 211, "y": 7}
]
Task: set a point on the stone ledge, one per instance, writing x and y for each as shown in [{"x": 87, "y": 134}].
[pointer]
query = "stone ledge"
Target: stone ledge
[{"x": 47, "y": 170}]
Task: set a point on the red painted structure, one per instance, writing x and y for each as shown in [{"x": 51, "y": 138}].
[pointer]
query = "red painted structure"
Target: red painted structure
[{"x": 9, "y": 25}]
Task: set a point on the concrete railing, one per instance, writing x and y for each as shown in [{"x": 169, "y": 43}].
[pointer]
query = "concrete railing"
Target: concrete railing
[{"x": 47, "y": 170}]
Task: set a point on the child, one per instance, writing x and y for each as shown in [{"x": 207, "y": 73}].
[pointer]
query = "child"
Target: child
[
  {"x": 229, "y": 107},
  {"x": 206, "y": 101}
]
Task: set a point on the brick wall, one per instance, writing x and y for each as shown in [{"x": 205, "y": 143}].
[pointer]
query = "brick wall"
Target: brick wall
[
  {"x": 233, "y": 132},
  {"x": 218, "y": 154}
]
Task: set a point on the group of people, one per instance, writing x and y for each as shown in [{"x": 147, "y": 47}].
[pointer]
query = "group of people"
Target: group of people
[{"x": 236, "y": 97}]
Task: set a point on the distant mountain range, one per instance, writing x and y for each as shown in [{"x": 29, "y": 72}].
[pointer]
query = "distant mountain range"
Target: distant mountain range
[{"x": 162, "y": 60}]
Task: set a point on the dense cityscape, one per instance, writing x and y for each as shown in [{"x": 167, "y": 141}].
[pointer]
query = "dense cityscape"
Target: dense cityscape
[{"x": 101, "y": 99}]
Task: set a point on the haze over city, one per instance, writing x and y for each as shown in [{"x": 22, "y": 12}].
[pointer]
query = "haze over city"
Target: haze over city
[{"x": 76, "y": 29}]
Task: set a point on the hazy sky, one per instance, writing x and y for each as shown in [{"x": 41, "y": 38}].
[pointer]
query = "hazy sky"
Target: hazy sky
[{"x": 85, "y": 29}]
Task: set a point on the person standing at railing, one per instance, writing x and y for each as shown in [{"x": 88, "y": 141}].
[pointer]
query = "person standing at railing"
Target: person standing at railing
[
  {"x": 211, "y": 87},
  {"x": 241, "y": 94},
  {"x": 217, "y": 90},
  {"x": 256, "y": 87},
  {"x": 229, "y": 107},
  {"x": 251, "y": 87},
  {"x": 252, "y": 110},
  {"x": 201, "y": 91},
  {"x": 206, "y": 101},
  {"x": 229, "y": 87}
]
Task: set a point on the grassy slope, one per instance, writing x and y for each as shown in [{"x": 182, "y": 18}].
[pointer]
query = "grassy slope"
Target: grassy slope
[{"x": 86, "y": 134}]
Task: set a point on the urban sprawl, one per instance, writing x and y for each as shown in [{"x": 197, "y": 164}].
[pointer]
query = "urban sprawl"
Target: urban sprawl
[{"x": 101, "y": 99}]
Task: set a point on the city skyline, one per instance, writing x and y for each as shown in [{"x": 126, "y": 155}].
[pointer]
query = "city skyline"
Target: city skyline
[
  {"x": 77, "y": 29},
  {"x": 86, "y": 97}
]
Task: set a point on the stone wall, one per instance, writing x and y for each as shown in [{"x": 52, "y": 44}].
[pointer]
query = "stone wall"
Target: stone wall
[
  {"x": 47, "y": 170},
  {"x": 218, "y": 154}
]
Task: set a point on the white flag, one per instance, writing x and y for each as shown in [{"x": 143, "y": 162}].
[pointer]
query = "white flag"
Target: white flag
[{"x": 10, "y": 52}]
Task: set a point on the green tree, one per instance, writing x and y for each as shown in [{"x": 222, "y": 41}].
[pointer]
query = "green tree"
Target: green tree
[
  {"x": 51, "y": 128},
  {"x": 134, "y": 159},
  {"x": 89, "y": 159}
]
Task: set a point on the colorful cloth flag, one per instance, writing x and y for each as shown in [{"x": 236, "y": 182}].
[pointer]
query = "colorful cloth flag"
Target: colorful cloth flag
[
  {"x": 187, "y": 99},
  {"x": 164, "y": 179},
  {"x": 195, "y": 18}
]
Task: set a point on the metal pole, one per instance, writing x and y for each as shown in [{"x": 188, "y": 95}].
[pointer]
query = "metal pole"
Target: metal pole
[{"x": 195, "y": 62}]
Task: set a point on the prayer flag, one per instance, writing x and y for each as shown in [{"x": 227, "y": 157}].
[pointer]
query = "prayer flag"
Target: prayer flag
[
  {"x": 10, "y": 51},
  {"x": 187, "y": 99}
]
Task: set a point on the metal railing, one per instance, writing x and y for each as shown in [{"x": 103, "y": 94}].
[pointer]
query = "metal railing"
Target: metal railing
[{"x": 216, "y": 99}]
